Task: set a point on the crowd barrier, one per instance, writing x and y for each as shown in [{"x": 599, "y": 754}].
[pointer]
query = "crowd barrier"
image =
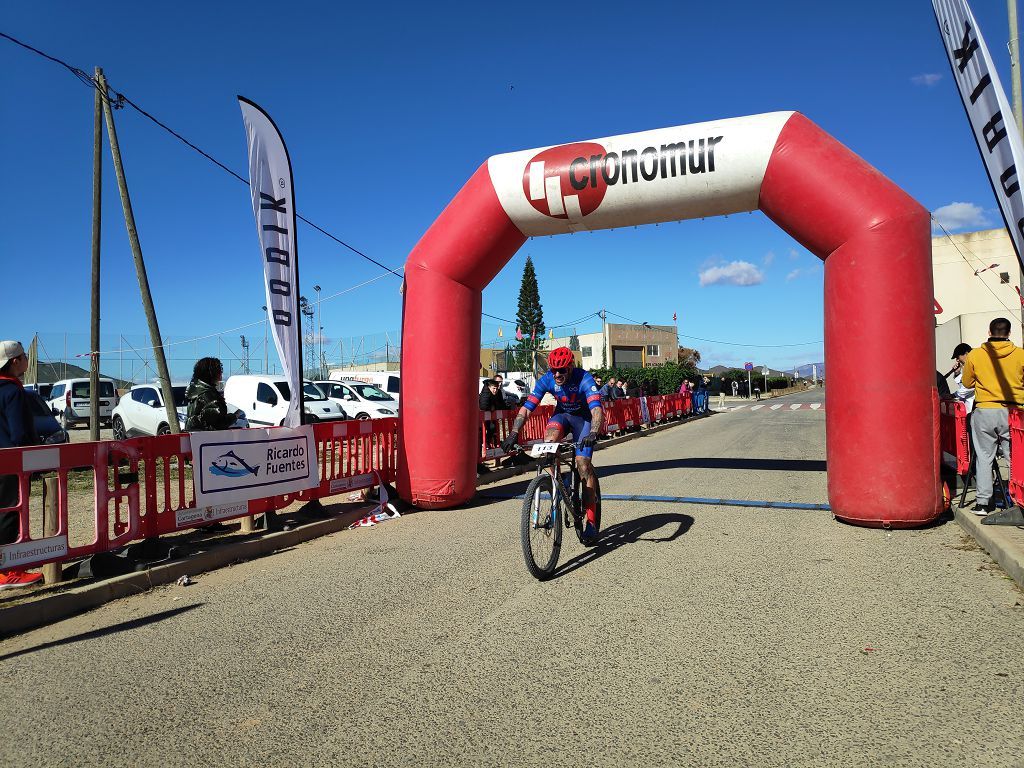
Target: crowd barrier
[
  {"x": 619, "y": 416},
  {"x": 953, "y": 440},
  {"x": 141, "y": 489},
  {"x": 1017, "y": 456}
]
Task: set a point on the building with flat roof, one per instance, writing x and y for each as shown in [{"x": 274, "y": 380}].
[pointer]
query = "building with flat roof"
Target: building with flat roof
[{"x": 976, "y": 276}]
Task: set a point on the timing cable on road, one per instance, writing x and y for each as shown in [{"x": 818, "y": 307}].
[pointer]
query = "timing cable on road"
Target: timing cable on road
[{"x": 689, "y": 500}]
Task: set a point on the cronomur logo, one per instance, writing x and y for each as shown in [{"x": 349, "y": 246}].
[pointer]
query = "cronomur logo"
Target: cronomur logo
[
  {"x": 549, "y": 187},
  {"x": 231, "y": 464},
  {"x": 570, "y": 181}
]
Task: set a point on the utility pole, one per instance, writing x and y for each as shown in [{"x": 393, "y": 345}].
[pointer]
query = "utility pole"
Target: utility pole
[
  {"x": 140, "y": 265},
  {"x": 320, "y": 333},
  {"x": 97, "y": 197},
  {"x": 266, "y": 353},
  {"x": 1014, "y": 46}
]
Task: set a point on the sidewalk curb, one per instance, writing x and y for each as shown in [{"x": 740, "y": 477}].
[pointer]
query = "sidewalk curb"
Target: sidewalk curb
[
  {"x": 513, "y": 471},
  {"x": 31, "y": 614},
  {"x": 1005, "y": 544}
]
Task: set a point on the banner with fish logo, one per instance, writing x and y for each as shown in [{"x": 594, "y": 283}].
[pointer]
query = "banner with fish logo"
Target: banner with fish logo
[{"x": 242, "y": 464}]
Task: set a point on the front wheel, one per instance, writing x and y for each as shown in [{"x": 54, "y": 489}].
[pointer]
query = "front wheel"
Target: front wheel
[
  {"x": 119, "y": 431},
  {"x": 541, "y": 527}
]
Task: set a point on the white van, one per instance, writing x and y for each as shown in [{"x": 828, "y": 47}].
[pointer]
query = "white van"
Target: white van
[
  {"x": 69, "y": 401},
  {"x": 388, "y": 381},
  {"x": 265, "y": 400},
  {"x": 361, "y": 400}
]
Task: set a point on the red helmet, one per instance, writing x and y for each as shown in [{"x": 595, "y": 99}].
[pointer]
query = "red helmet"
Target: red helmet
[{"x": 561, "y": 358}]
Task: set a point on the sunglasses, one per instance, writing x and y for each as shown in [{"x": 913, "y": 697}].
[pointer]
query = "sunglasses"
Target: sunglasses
[{"x": 559, "y": 371}]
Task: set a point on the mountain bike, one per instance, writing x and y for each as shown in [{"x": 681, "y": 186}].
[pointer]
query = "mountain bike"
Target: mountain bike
[{"x": 553, "y": 501}]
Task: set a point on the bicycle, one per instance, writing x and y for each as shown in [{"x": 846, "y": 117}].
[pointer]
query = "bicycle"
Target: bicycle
[{"x": 553, "y": 500}]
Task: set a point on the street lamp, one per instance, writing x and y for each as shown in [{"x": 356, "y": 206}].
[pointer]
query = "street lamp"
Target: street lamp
[
  {"x": 643, "y": 356},
  {"x": 319, "y": 334}
]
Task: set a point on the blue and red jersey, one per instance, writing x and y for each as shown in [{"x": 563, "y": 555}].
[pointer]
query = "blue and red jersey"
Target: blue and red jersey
[{"x": 576, "y": 396}]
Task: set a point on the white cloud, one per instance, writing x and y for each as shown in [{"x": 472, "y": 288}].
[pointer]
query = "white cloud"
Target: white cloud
[
  {"x": 769, "y": 258},
  {"x": 733, "y": 273},
  {"x": 927, "y": 80},
  {"x": 804, "y": 271},
  {"x": 959, "y": 216},
  {"x": 793, "y": 254}
]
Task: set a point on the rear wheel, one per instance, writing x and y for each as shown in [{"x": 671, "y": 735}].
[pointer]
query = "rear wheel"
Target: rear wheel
[
  {"x": 119, "y": 432},
  {"x": 65, "y": 423},
  {"x": 362, "y": 416},
  {"x": 541, "y": 527},
  {"x": 163, "y": 429}
]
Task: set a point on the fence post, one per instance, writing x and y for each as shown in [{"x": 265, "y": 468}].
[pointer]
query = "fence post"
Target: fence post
[{"x": 52, "y": 572}]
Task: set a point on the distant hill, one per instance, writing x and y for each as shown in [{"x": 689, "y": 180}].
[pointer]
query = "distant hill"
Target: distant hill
[{"x": 51, "y": 372}]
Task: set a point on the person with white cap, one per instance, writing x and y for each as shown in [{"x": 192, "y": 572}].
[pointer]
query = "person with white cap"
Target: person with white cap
[{"x": 16, "y": 429}]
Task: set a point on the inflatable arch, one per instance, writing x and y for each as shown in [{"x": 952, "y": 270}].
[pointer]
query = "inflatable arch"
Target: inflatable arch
[{"x": 882, "y": 416}]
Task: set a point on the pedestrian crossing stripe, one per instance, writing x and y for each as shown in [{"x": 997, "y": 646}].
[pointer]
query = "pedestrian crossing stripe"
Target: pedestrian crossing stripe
[{"x": 778, "y": 406}]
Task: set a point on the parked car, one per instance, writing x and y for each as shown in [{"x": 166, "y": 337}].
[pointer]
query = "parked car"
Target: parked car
[
  {"x": 141, "y": 411},
  {"x": 47, "y": 427},
  {"x": 265, "y": 400},
  {"x": 40, "y": 388},
  {"x": 69, "y": 401},
  {"x": 387, "y": 381},
  {"x": 364, "y": 401}
]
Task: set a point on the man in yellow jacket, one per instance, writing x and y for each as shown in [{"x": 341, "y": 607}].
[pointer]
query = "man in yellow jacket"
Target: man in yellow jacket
[{"x": 996, "y": 371}]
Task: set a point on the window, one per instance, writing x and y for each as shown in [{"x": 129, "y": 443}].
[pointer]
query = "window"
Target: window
[
  {"x": 393, "y": 384},
  {"x": 1004, "y": 277},
  {"x": 587, "y": 351},
  {"x": 653, "y": 350},
  {"x": 144, "y": 395},
  {"x": 265, "y": 394},
  {"x": 80, "y": 389},
  {"x": 57, "y": 391}
]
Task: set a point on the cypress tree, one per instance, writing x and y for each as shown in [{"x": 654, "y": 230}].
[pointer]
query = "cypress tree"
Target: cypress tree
[{"x": 530, "y": 318}]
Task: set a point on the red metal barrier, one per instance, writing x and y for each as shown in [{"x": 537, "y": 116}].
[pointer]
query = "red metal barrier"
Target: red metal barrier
[
  {"x": 953, "y": 440},
  {"x": 1017, "y": 456},
  {"x": 141, "y": 489},
  {"x": 532, "y": 431}
]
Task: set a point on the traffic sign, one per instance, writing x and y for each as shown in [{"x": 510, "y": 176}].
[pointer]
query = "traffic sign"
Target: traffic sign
[{"x": 748, "y": 366}]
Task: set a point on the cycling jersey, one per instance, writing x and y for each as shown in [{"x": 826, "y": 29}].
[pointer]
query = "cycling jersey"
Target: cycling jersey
[{"x": 575, "y": 397}]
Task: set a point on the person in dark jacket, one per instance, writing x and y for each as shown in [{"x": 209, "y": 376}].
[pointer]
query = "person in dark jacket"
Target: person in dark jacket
[
  {"x": 207, "y": 410},
  {"x": 17, "y": 429},
  {"x": 491, "y": 399}
]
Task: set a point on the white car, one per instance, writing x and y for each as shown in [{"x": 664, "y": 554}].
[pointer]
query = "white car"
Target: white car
[
  {"x": 69, "y": 401},
  {"x": 265, "y": 400},
  {"x": 141, "y": 412},
  {"x": 362, "y": 401},
  {"x": 388, "y": 381}
]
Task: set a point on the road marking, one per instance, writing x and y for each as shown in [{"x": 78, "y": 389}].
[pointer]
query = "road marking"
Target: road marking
[
  {"x": 776, "y": 407},
  {"x": 756, "y": 407},
  {"x": 815, "y": 406},
  {"x": 796, "y": 406}
]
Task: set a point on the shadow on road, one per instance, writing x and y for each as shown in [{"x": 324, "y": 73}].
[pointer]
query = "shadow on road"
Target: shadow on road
[
  {"x": 771, "y": 465},
  {"x": 121, "y": 627},
  {"x": 629, "y": 532}
]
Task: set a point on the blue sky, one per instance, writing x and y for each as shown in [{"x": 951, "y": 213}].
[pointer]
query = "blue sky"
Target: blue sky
[{"x": 387, "y": 109}]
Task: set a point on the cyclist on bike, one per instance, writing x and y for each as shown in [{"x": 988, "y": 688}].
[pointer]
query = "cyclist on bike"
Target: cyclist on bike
[{"x": 578, "y": 411}]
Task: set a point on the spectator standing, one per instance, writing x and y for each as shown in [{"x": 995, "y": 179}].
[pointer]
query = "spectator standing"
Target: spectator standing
[
  {"x": 207, "y": 410},
  {"x": 17, "y": 429},
  {"x": 735, "y": 388},
  {"x": 757, "y": 391},
  {"x": 996, "y": 371},
  {"x": 491, "y": 399},
  {"x": 718, "y": 388},
  {"x": 610, "y": 391},
  {"x": 960, "y": 392}
]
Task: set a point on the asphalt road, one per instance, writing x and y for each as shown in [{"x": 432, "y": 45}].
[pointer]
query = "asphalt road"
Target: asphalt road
[{"x": 696, "y": 635}]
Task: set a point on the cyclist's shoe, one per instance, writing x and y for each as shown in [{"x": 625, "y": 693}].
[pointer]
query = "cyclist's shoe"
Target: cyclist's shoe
[{"x": 590, "y": 531}]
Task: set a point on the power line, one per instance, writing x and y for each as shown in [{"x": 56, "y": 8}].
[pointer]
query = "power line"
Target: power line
[
  {"x": 952, "y": 242},
  {"x": 122, "y": 99},
  {"x": 727, "y": 343}
]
